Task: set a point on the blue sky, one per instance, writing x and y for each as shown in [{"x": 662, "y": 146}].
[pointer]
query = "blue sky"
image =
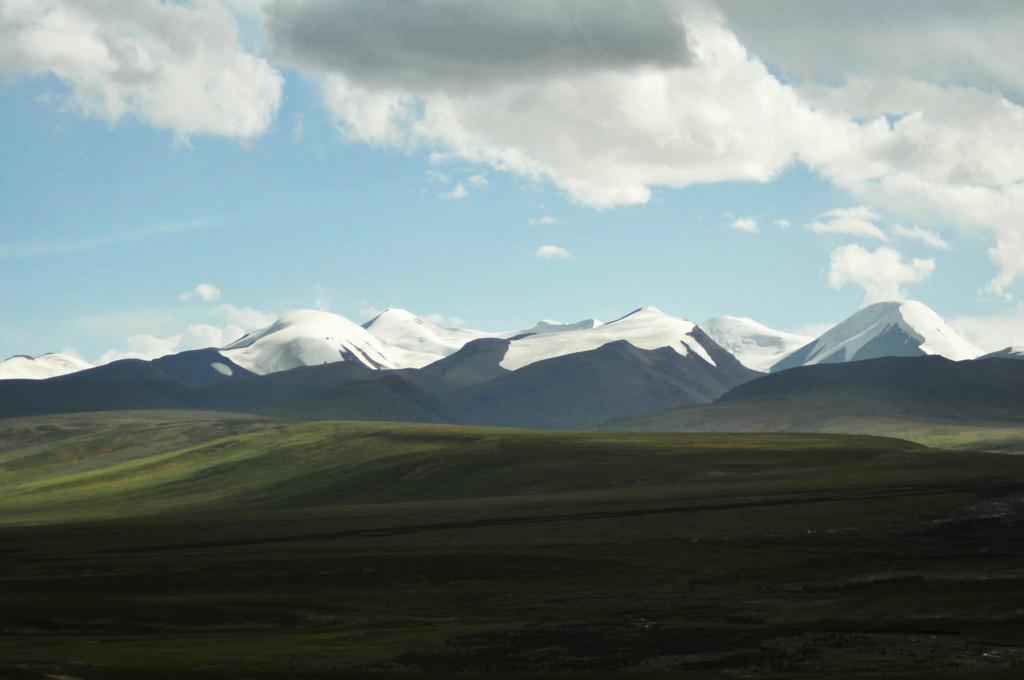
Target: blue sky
[{"x": 109, "y": 219}]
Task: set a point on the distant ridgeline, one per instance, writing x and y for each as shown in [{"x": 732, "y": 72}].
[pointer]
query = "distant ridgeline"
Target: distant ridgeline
[{"x": 397, "y": 367}]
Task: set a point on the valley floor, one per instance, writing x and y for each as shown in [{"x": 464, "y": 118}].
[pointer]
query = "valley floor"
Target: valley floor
[{"x": 204, "y": 546}]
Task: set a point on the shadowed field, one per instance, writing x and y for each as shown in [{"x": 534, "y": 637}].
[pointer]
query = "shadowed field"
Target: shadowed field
[{"x": 209, "y": 546}]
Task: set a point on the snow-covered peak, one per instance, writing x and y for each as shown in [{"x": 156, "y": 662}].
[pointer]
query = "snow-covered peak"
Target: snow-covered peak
[
  {"x": 644, "y": 328},
  {"x": 51, "y": 365},
  {"x": 425, "y": 340},
  {"x": 907, "y": 328},
  {"x": 755, "y": 345},
  {"x": 307, "y": 337}
]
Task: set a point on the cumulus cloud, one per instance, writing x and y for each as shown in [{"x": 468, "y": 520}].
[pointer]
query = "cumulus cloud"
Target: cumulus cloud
[
  {"x": 560, "y": 112},
  {"x": 551, "y": 252},
  {"x": 195, "y": 336},
  {"x": 207, "y": 292},
  {"x": 229, "y": 322},
  {"x": 178, "y": 66},
  {"x": 246, "y": 317},
  {"x": 926, "y": 236},
  {"x": 550, "y": 91},
  {"x": 544, "y": 219},
  {"x": 468, "y": 44},
  {"x": 747, "y": 224},
  {"x": 882, "y": 273},
  {"x": 993, "y": 332},
  {"x": 478, "y": 180},
  {"x": 953, "y": 42},
  {"x": 857, "y": 221},
  {"x": 782, "y": 223}
]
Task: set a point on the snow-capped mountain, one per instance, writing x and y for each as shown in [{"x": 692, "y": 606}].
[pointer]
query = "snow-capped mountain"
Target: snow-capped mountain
[
  {"x": 1007, "y": 353},
  {"x": 41, "y": 367},
  {"x": 904, "y": 329},
  {"x": 755, "y": 345},
  {"x": 309, "y": 337},
  {"x": 548, "y": 326},
  {"x": 644, "y": 328},
  {"x": 424, "y": 340},
  {"x": 394, "y": 339}
]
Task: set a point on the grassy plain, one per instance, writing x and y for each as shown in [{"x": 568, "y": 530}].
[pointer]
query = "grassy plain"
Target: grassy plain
[{"x": 211, "y": 546}]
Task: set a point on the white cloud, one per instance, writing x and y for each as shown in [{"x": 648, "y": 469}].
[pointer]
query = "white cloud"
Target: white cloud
[
  {"x": 993, "y": 332},
  {"x": 550, "y": 252},
  {"x": 881, "y": 273},
  {"x": 234, "y": 323},
  {"x": 547, "y": 90},
  {"x": 174, "y": 65},
  {"x": 747, "y": 224},
  {"x": 952, "y": 42},
  {"x": 195, "y": 336},
  {"x": 207, "y": 292},
  {"x": 858, "y": 221},
  {"x": 917, "y": 233},
  {"x": 951, "y": 155},
  {"x": 457, "y": 193},
  {"x": 545, "y": 219},
  {"x": 478, "y": 180},
  {"x": 245, "y": 317},
  {"x": 569, "y": 120},
  {"x": 782, "y": 223}
]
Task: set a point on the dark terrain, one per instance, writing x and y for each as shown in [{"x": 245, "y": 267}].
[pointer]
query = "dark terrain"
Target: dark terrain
[{"x": 203, "y": 546}]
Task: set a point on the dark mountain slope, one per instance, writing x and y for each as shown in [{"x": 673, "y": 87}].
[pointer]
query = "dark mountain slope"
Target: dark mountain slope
[
  {"x": 470, "y": 386},
  {"x": 871, "y": 396},
  {"x": 477, "y": 362},
  {"x": 931, "y": 386},
  {"x": 616, "y": 380}
]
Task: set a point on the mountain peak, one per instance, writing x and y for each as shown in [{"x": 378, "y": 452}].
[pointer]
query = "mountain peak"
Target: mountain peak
[
  {"x": 645, "y": 328},
  {"x": 306, "y": 337},
  {"x": 393, "y": 313},
  {"x": 755, "y": 345},
  {"x": 893, "y": 328},
  {"x": 423, "y": 340}
]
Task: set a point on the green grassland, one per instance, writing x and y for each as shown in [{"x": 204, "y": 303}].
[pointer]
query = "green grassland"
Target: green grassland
[
  {"x": 824, "y": 416},
  {"x": 204, "y": 545}
]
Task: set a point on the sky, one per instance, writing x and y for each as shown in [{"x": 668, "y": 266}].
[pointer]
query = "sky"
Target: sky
[{"x": 173, "y": 174}]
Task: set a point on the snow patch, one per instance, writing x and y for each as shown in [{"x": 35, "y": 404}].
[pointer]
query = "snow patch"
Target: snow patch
[
  {"x": 45, "y": 366},
  {"x": 645, "y": 328},
  {"x": 221, "y": 368}
]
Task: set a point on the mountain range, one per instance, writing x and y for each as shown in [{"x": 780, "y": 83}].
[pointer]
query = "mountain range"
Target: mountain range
[{"x": 397, "y": 366}]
